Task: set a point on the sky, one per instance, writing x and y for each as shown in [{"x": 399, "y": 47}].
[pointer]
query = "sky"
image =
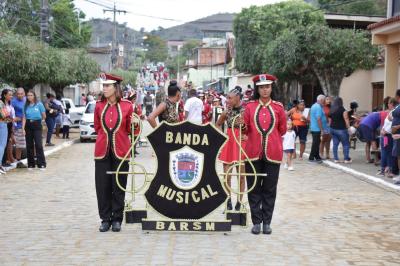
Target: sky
[{"x": 180, "y": 11}]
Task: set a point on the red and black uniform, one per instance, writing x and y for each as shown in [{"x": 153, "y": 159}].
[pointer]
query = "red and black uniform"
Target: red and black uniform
[
  {"x": 112, "y": 124},
  {"x": 265, "y": 126}
]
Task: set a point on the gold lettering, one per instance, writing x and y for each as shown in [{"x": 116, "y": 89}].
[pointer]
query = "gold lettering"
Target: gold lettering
[
  {"x": 160, "y": 225},
  {"x": 179, "y": 197},
  {"x": 210, "y": 226},
  {"x": 178, "y": 138},
  {"x": 212, "y": 193},
  {"x": 205, "y": 140},
  {"x": 162, "y": 190},
  {"x": 195, "y": 139},
  {"x": 172, "y": 227},
  {"x": 169, "y": 137},
  {"x": 170, "y": 194},
  {"x": 196, "y": 226},
  {"x": 186, "y": 139},
  {"x": 204, "y": 194},
  {"x": 195, "y": 197},
  {"x": 186, "y": 197},
  {"x": 184, "y": 226}
]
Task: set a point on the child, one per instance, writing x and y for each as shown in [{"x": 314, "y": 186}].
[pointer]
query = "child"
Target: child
[
  {"x": 66, "y": 123},
  {"x": 288, "y": 145}
]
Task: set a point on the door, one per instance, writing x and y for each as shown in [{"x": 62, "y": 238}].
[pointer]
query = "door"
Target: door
[{"x": 377, "y": 96}]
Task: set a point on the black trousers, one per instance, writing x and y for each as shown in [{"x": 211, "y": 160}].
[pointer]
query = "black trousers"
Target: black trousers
[
  {"x": 65, "y": 131},
  {"x": 316, "y": 140},
  {"x": 33, "y": 137},
  {"x": 262, "y": 197},
  {"x": 110, "y": 198}
]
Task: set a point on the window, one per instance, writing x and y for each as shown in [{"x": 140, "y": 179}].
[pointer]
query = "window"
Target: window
[
  {"x": 395, "y": 8},
  {"x": 90, "y": 108}
]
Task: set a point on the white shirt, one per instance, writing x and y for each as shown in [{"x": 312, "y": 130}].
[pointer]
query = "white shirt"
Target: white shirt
[
  {"x": 288, "y": 140},
  {"x": 387, "y": 126},
  {"x": 194, "y": 107}
]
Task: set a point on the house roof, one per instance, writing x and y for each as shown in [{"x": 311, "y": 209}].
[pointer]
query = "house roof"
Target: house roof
[{"x": 384, "y": 22}]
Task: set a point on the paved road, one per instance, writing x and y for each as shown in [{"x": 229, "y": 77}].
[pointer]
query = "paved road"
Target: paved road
[{"x": 323, "y": 217}]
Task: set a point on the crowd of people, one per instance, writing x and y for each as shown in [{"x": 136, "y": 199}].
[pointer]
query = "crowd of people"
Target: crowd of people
[{"x": 21, "y": 127}]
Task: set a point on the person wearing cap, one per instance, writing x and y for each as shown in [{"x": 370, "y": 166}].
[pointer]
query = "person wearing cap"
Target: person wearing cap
[
  {"x": 265, "y": 122},
  {"x": 112, "y": 123}
]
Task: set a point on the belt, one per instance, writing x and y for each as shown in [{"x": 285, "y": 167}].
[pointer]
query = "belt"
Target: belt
[{"x": 32, "y": 121}]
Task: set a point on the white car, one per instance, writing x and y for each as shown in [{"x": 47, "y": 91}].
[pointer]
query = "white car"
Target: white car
[
  {"x": 86, "y": 125},
  {"x": 74, "y": 112}
]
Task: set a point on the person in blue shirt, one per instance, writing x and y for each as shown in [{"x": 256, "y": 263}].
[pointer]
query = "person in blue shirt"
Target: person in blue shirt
[
  {"x": 34, "y": 113},
  {"x": 318, "y": 126},
  {"x": 18, "y": 102}
]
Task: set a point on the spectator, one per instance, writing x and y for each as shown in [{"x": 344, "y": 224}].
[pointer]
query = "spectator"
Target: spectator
[
  {"x": 66, "y": 123},
  {"x": 340, "y": 125},
  {"x": 34, "y": 113},
  {"x": 353, "y": 118},
  {"x": 288, "y": 145},
  {"x": 51, "y": 114},
  {"x": 18, "y": 103},
  {"x": 5, "y": 117},
  {"x": 160, "y": 96},
  {"x": 300, "y": 125},
  {"x": 8, "y": 158},
  {"x": 386, "y": 142},
  {"x": 193, "y": 108},
  {"x": 318, "y": 126},
  {"x": 326, "y": 136},
  {"x": 366, "y": 132},
  {"x": 59, "y": 116},
  {"x": 83, "y": 100},
  {"x": 148, "y": 103},
  {"x": 395, "y": 132}
]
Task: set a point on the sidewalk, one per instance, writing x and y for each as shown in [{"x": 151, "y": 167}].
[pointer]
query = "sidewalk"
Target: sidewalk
[
  {"x": 59, "y": 143},
  {"x": 359, "y": 166}
]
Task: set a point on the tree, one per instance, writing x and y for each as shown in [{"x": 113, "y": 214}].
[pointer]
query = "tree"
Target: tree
[
  {"x": 157, "y": 50},
  {"x": 185, "y": 53},
  {"x": 129, "y": 77},
  {"x": 256, "y": 27},
  {"x": 329, "y": 54},
  {"x": 66, "y": 30},
  {"x": 27, "y": 62},
  {"x": 365, "y": 7}
]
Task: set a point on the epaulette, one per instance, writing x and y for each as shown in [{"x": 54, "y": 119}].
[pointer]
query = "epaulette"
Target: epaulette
[{"x": 278, "y": 103}]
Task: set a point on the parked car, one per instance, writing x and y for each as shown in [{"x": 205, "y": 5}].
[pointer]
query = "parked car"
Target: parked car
[
  {"x": 86, "y": 125},
  {"x": 74, "y": 112}
]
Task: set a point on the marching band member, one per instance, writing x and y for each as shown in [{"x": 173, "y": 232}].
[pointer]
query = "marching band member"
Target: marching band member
[
  {"x": 265, "y": 122},
  {"x": 137, "y": 109},
  {"x": 168, "y": 110},
  {"x": 112, "y": 123},
  {"x": 230, "y": 152}
]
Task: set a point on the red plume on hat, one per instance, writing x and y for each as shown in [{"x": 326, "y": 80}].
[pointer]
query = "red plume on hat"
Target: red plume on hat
[{"x": 264, "y": 79}]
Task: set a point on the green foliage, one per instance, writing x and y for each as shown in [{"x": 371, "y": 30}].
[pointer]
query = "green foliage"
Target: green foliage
[
  {"x": 23, "y": 17},
  {"x": 26, "y": 62},
  {"x": 329, "y": 54},
  {"x": 365, "y": 7},
  {"x": 256, "y": 27},
  {"x": 157, "y": 50},
  {"x": 128, "y": 76},
  {"x": 185, "y": 53}
]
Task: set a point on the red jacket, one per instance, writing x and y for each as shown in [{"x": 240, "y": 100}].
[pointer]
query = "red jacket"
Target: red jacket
[
  {"x": 265, "y": 126},
  {"x": 114, "y": 121}
]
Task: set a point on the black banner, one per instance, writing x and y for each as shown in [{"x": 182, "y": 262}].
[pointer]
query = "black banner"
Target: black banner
[
  {"x": 186, "y": 185},
  {"x": 174, "y": 225}
]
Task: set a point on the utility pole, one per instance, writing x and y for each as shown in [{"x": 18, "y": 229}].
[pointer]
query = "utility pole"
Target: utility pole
[
  {"x": 114, "y": 41},
  {"x": 126, "y": 48},
  {"x": 44, "y": 21}
]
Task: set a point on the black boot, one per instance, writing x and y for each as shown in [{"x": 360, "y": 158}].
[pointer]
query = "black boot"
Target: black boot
[
  {"x": 105, "y": 226},
  {"x": 229, "y": 205},
  {"x": 256, "y": 229},
  {"x": 266, "y": 229},
  {"x": 116, "y": 226},
  {"x": 238, "y": 206}
]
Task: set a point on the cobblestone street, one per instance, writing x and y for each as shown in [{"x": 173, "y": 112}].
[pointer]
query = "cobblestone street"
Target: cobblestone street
[{"x": 322, "y": 217}]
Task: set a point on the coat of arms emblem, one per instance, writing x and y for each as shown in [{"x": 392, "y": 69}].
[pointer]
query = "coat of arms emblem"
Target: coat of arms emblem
[{"x": 186, "y": 167}]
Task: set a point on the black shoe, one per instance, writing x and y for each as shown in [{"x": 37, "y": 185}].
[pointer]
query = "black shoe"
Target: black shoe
[
  {"x": 104, "y": 227},
  {"x": 256, "y": 229},
  {"x": 267, "y": 229},
  {"x": 238, "y": 206},
  {"x": 229, "y": 205},
  {"x": 116, "y": 226},
  {"x": 21, "y": 165}
]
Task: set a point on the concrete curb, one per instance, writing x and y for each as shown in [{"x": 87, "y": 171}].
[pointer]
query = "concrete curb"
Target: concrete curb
[{"x": 359, "y": 174}]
